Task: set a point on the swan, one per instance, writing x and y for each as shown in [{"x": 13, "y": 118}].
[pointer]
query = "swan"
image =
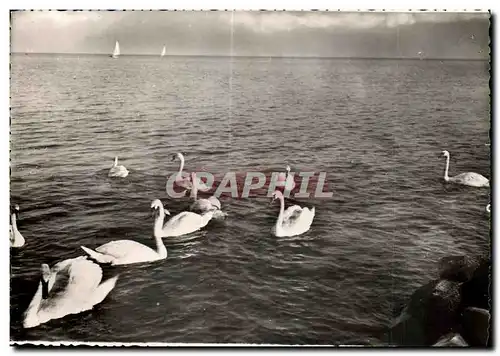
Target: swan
[
  {"x": 16, "y": 238},
  {"x": 118, "y": 171},
  {"x": 469, "y": 178},
  {"x": 185, "y": 182},
  {"x": 72, "y": 286},
  {"x": 124, "y": 252},
  {"x": 202, "y": 205},
  {"x": 286, "y": 180},
  {"x": 488, "y": 208},
  {"x": 182, "y": 223},
  {"x": 294, "y": 221}
]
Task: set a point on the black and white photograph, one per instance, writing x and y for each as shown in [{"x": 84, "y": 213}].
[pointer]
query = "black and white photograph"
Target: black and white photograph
[{"x": 245, "y": 177}]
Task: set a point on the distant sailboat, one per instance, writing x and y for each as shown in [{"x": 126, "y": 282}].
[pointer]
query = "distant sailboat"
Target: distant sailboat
[
  {"x": 163, "y": 51},
  {"x": 116, "y": 52}
]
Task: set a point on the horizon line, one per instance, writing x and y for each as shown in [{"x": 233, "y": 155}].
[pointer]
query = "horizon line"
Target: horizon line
[{"x": 254, "y": 56}]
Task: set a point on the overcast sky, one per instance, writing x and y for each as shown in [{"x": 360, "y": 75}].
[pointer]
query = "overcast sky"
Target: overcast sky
[{"x": 321, "y": 34}]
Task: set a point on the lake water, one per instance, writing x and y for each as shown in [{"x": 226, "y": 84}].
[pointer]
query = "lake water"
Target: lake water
[{"x": 377, "y": 127}]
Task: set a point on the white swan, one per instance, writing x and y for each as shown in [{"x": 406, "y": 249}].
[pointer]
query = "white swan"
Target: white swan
[
  {"x": 294, "y": 221},
  {"x": 16, "y": 238},
  {"x": 70, "y": 287},
  {"x": 488, "y": 208},
  {"x": 185, "y": 182},
  {"x": 118, "y": 171},
  {"x": 202, "y": 205},
  {"x": 182, "y": 223},
  {"x": 469, "y": 178},
  {"x": 124, "y": 252}
]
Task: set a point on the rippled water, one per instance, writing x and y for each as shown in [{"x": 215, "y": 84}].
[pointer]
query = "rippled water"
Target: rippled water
[{"x": 376, "y": 126}]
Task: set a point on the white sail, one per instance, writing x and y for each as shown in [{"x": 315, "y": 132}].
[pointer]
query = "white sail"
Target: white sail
[
  {"x": 116, "y": 52},
  {"x": 164, "y": 50}
]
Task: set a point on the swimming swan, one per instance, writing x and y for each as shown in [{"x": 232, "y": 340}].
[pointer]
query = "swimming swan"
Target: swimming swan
[
  {"x": 16, "y": 239},
  {"x": 124, "y": 252},
  {"x": 118, "y": 171},
  {"x": 202, "y": 205},
  {"x": 182, "y": 223},
  {"x": 70, "y": 287},
  {"x": 469, "y": 178},
  {"x": 185, "y": 182},
  {"x": 294, "y": 221}
]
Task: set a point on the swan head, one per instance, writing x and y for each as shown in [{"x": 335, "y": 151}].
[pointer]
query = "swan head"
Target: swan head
[
  {"x": 276, "y": 195},
  {"x": 45, "y": 272},
  {"x": 177, "y": 155},
  {"x": 14, "y": 210},
  {"x": 446, "y": 153},
  {"x": 157, "y": 204}
]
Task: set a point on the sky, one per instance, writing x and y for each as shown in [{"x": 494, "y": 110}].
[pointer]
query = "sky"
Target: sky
[{"x": 252, "y": 33}]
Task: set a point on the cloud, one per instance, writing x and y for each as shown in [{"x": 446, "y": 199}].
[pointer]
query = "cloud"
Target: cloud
[
  {"x": 246, "y": 32},
  {"x": 288, "y": 21}
]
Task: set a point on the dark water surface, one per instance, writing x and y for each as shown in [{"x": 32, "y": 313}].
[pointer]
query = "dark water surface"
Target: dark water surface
[{"x": 377, "y": 127}]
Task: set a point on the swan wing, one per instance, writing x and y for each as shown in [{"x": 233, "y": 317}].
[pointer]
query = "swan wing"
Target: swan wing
[
  {"x": 215, "y": 202},
  {"x": 470, "y": 178},
  {"x": 291, "y": 211},
  {"x": 121, "y": 248},
  {"x": 73, "y": 282},
  {"x": 292, "y": 215},
  {"x": 186, "y": 217}
]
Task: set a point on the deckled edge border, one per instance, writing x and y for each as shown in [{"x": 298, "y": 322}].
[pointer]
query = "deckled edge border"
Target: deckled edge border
[{"x": 21, "y": 344}]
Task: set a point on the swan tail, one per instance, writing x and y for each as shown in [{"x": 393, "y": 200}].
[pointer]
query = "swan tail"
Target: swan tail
[
  {"x": 103, "y": 290},
  {"x": 99, "y": 257}
]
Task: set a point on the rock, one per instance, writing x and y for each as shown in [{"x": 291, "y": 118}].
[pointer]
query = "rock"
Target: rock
[
  {"x": 476, "y": 292},
  {"x": 431, "y": 313},
  {"x": 458, "y": 268},
  {"x": 451, "y": 340},
  {"x": 476, "y": 326}
]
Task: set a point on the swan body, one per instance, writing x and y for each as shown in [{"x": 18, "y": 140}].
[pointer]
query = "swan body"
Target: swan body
[
  {"x": 286, "y": 180},
  {"x": 70, "y": 287},
  {"x": 294, "y": 221},
  {"x": 16, "y": 238},
  {"x": 124, "y": 252},
  {"x": 470, "y": 178},
  {"x": 180, "y": 224},
  {"x": 186, "y": 182},
  {"x": 118, "y": 170},
  {"x": 202, "y": 205}
]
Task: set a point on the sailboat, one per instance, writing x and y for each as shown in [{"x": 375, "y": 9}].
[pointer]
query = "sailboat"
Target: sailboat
[
  {"x": 163, "y": 51},
  {"x": 116, "y": 52}
]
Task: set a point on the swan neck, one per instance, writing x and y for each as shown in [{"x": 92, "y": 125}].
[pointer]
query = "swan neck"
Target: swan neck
[
  {"x": 446, "y": 177},
  {"x": 160, "y": 247},
  {"x": 195, "y": 187},
  {"x": 116, "y": 162},
  {"x": 182, "y": 166},
  {"x": 14, "y": 221},
  {"x": 158, "y": 227},
  {"x": 282, "y": 209}
]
